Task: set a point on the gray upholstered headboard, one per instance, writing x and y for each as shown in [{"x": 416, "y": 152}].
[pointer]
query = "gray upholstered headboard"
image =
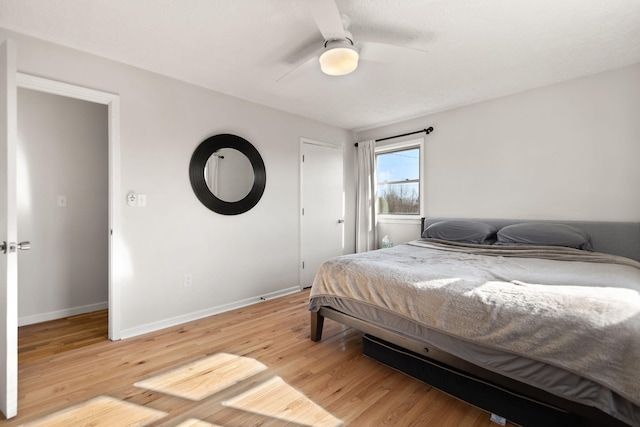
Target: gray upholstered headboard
[{"x": 617, "y": 238}]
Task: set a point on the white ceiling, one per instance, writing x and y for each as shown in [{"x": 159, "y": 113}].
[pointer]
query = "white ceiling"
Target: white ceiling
[{"x": 476, "y": 49}]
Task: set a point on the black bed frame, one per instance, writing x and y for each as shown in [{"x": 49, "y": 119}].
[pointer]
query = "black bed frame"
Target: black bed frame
[
  {"x": 609, "y": 237},
  {"x": 584, "y": 415}
]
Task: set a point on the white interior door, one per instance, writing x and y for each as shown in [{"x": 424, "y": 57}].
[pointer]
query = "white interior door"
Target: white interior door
[
  {"x": 322, "y": 201},
  {"x": 8, "y": 232}
]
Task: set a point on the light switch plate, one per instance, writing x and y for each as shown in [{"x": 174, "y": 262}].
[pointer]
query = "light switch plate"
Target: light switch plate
[
  {"x": 62, "y": 201},
  {"x": 142, "y": 200}
]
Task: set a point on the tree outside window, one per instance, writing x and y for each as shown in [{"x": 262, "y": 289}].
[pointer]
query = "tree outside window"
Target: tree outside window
[{"x": 399, "y": 182}]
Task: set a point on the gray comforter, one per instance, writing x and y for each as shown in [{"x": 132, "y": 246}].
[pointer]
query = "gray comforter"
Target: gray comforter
[{"x": 573, "y": 309}]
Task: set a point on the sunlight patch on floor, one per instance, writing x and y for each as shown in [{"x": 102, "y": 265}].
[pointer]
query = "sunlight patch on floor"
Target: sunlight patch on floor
[
  {"x": 196, "y": 381},
  {"x": 103, "y": 411},
  {"x": 192, "y": 422},
  {"x": 205, "y": 377},
  {"x": 277, "y": 399}
]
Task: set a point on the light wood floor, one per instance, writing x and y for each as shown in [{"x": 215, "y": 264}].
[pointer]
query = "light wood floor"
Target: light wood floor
[
  {"x": 332, "y": 373},
  {"x": 58, "y": 336}
]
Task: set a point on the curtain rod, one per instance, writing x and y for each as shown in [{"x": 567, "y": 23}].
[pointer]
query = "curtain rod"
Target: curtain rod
[{"x": 427, "y": 130}]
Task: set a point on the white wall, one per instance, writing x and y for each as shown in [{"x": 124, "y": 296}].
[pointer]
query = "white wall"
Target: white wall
[
  {"x": 62, "y": 151},
  {"x": 233, "y": 259},
  {"x": 566, "y": 151},
  {"x": 398, "y": 231}
]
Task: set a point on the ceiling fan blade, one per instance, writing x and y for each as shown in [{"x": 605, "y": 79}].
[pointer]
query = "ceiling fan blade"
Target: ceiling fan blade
[
  {"x": 303, "y": 67},
  {"x": 328, "y": 19},
  {"x": 383, "y": 52}
]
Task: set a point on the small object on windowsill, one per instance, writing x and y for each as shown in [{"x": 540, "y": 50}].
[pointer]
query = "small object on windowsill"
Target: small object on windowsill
[{"x": 386, "y": 243}]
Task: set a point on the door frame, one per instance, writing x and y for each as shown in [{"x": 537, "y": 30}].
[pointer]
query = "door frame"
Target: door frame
[{"x": 112, "y": 101}]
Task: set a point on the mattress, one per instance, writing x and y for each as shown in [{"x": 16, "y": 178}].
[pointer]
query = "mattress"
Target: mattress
[{"x": 569, "y": 383}]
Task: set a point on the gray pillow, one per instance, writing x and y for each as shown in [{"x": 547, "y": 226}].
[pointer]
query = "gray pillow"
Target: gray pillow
[
  {"x": 547, "y": 234},
  {"x": 461, "y": 231}
]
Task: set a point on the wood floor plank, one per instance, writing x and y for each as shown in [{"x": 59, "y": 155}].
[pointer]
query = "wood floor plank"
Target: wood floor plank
[
  {"x": 277, "y": 399},
  {"x": 204, "y": 377},
  {"x": 100, "y": 412},
  {"x": 47, "y": 338},
  {"x": 332, "y": 373}
]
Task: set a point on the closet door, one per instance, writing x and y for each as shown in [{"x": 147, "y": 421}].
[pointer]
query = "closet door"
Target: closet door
[{"x": 322, "y": 201}]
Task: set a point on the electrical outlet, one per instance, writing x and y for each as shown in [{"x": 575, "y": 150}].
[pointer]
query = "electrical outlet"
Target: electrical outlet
[{"x": 188, "y": 279}]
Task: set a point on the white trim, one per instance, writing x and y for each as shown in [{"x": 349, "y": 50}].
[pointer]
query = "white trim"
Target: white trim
[
  {"x": 178, "y": 320},
  {"x": 61, "y": 314},
  {"x": 40, "y": 84},
  {"x": 393, "y": 146},
  {"x": 300, "y": 204},
  {"x": 323, "y": 144},
  {"x": 115, "y": 241},
  {"x": 399, "y": 219}
]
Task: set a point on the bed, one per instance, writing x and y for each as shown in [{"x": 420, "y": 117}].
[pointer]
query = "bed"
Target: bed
[{"x": 535, "y": 321}]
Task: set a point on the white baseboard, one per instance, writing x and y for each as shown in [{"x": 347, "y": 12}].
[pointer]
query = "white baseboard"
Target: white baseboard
[
  {"x": 174, "y": 321},
  {"x": 60, "y": 314}
]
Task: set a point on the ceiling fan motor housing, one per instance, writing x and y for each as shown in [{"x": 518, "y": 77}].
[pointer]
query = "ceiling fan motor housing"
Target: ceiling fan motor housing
[{"x": 340, "y": 57}]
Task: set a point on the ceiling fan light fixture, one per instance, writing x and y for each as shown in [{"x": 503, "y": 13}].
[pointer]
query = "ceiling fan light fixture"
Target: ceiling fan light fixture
[{"x": 339, "y": 58}]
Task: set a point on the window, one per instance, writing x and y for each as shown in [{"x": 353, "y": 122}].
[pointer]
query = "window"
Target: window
[{"x": 398, "y": 175}]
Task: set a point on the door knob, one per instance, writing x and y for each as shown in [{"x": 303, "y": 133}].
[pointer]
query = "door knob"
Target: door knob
[
  {"x": 340, "y": 221},
  {"x": 11, "y": 247}
]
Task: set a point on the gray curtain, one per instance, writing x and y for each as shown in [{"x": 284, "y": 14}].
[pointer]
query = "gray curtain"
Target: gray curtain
[{"x": 366, "y": 197}]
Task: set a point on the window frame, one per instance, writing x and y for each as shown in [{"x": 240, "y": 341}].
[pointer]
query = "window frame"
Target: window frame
[{"x": 400, "y": 146}]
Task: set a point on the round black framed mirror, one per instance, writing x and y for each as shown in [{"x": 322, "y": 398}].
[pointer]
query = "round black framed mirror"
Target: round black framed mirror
[{"x": 215, "y": 183}]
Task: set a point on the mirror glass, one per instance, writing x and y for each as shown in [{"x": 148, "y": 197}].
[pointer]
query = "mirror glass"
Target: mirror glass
[{"x": 229, "y": 175}]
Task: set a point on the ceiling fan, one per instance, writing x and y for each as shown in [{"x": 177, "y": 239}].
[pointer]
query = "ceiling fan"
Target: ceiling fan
[{"x": 340, "y": 54}]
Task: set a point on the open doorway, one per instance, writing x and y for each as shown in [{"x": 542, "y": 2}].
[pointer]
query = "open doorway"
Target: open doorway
[{"x": 63, "y": 208}]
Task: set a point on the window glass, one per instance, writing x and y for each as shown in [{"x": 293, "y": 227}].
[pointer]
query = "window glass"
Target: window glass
[{"x": 399, "y": 182}]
